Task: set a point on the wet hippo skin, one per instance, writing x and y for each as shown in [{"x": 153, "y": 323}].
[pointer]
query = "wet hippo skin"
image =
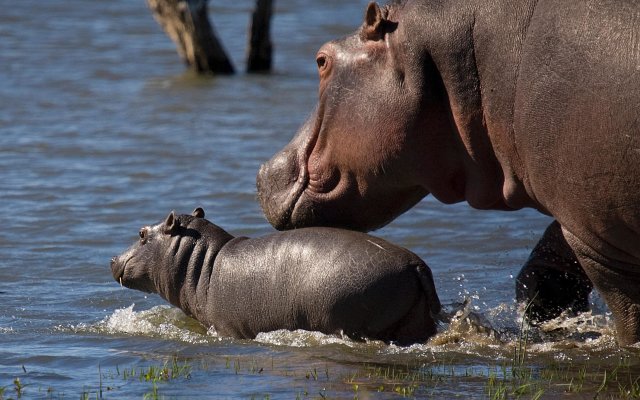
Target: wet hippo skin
[
  {"x": 504, "y": 104},
  {"x": 320, "y": 279}
]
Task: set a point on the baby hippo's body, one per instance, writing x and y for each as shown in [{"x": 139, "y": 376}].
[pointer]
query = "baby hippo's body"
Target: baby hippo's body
[{"x": 318, "y": 279}]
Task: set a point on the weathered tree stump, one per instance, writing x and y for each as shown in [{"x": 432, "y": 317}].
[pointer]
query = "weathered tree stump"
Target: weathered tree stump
[
  {"x": 187, "y": 24},
  {"x": 260, "y": 48}
]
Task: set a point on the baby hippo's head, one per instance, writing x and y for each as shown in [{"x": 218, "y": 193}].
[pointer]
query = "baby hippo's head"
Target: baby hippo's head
[{"x": 158, "y": 261}]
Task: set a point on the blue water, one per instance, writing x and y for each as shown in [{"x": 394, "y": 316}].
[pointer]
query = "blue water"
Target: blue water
[{"x": 103, "y": 130}]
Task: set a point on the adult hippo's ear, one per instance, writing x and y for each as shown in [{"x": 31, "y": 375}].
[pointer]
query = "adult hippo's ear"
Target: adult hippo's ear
[
  {"x": 171, "y": 223},
  {"x": 198, "y": 212},
  {"x": 375, "y": 23}
]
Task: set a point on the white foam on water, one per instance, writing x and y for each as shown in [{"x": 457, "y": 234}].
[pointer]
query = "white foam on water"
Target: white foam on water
[
  {"x": 499, "y": 332},
  {"x": 126, "y": 320},
  {"x": 581, "y": 323},
  {"x": 160, "y": 321},
  {"x": 303, "y": 338},
  {"x": 494, "y": 333},
  {"x": 586, "y": 332}
]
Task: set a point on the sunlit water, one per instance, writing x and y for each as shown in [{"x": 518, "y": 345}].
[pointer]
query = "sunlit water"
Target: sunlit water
[{"x": 102, "y": 130}]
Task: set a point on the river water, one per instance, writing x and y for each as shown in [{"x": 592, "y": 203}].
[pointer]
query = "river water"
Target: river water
[{"x": 103, "y": 130}]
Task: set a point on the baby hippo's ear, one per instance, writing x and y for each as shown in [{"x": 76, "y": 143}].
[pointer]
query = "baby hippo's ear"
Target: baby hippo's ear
[
  {"x": 198, "y": 213},
  {"x": 171, "y": 223}
]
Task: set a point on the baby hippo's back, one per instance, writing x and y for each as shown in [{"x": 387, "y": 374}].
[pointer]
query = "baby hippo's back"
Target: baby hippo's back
[{"x": 322, "y": 279}]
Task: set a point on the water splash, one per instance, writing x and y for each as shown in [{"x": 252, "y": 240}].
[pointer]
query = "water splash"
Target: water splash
[
  {"x": 497, "y": 332},
  {"x": 463, "y": 324},
  {"x": 584, "y": 334},
  {"x": 302, "y": 338},
  {"x": 463, "y": 331},
  {"x": 160, "y": 321}
]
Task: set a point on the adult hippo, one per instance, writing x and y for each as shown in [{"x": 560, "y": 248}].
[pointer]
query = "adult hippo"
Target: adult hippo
[
  {"x": 504, "y": 104},
  {"x": 322, "y": 279}
]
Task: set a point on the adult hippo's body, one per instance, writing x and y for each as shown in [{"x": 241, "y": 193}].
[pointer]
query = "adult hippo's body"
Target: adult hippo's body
[
  {"x": 504, "y": 104},
  {"x": 322, "y": 279}
]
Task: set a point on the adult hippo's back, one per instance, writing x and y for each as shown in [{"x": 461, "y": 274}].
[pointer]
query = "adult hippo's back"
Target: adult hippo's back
[{"x": 504, "y": 104}]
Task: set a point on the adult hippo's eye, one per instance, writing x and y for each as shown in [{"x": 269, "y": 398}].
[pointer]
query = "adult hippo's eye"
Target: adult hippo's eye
[{"x": 323, "y": 62}]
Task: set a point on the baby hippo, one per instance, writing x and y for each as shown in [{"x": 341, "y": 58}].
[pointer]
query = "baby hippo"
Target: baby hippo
[{"x": 317, "y": 279}]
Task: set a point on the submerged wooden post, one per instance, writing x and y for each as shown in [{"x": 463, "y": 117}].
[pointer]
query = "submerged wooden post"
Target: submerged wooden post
[
  {"x": 259, "y": 52},
  {"x": 187, "y": 24}
]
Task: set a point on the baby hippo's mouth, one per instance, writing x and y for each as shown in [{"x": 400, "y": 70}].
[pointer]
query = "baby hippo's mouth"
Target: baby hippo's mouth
[
  {"x": 130, "y": 274},
  {"x": 117, "y": 269}
]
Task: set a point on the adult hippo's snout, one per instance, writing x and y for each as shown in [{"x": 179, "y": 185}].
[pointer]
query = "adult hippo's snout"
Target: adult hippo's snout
[
  {"x": 293, "y": 197},
  {"x": 281, "y": 181},
  {"x": 285, "y": 184}
]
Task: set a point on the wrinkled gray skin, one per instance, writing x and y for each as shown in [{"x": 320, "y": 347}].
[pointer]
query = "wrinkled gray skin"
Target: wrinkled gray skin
[
  {"x": 504, "y": 104},
  {"x": 317, "y": 279}
]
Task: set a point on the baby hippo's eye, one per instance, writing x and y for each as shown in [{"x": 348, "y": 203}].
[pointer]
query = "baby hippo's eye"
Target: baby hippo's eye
[
  {"x": 143, "y": 235},
  {"x": 321, "y": 61}
]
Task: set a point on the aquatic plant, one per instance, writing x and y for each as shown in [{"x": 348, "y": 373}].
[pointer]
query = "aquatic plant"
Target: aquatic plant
[
  {"x": 517, "y": 378},
  {"x": 18, "y": 386}
]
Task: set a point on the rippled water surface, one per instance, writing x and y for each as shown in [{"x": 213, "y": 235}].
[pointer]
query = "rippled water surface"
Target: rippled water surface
[{"x": 102, "y": 130}]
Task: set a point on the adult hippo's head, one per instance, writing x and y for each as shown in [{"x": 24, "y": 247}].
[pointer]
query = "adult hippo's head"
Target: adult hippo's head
[{"x": 382, "y": 120}]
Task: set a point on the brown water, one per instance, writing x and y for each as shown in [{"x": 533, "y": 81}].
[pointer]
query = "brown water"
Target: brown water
[{"x": 102, "y": 131}]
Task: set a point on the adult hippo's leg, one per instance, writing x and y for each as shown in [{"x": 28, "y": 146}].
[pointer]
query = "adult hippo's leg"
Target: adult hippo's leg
[
  {"x": 552, "y": 280},
  {"x": 618, "y": 282}
]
